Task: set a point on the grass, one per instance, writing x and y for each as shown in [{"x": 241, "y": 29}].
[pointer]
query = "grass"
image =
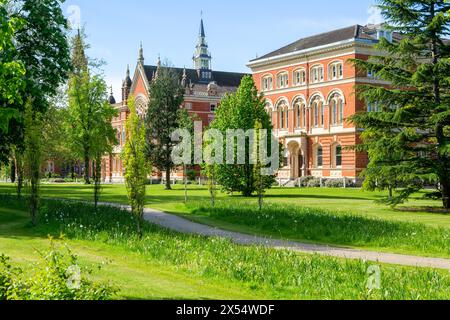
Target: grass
[
  {"x": 317, "y": 225},
  {"x": 341, "y": 217},
  {"x": 169, "y": 265}
]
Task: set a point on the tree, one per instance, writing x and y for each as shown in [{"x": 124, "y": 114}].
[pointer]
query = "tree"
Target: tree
[
  {"x": 259, "y": 178},
  {"x": 89, "y": 114},
  {"x": 135, "y": 163},
  {"x": 186, "y": 122},
  {"x": 33, "y": 156},
  {"x": 241, "y": 111},
  {"x": 415, "y": 108},
  {"x": 40, "y": 48},
  {"x": 12, "y": 70},
  {"x": 166, "y": 97}
]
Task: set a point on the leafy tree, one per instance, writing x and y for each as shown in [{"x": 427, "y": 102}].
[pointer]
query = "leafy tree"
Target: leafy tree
[
  {"x": 166, "y": 97},
  {"x": 135, "y": 163},
  {"x": 259, "y": 178},
  {"x": 12, "y": 70},
  {"x": 33, "y": 156},
  {"x": 89, "y": 114},
  {"x": 415, "y": 108},
  {"x": 186, "y": 121},
  {"x": 241, "y": 111},
  {"x": 41, "y": 48}
]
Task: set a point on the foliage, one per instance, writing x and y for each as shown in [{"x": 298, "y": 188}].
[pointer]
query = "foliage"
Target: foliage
[
  {"x": 166, "y": 97},
  {"x": 57, "y": 277},
  {"x": 33, "y": 156},
  {"x": 135, "y": 163},
  {"x": 41, "y": 48},
  {"x": 241, "y": 111},
  {"x": 408, "y": 141},
  {"x": 282, "y": 273},
  {"x": 91, "y": 134},
  {"x": 325, "y": 226},
  {"x": 12, "y": 70}
]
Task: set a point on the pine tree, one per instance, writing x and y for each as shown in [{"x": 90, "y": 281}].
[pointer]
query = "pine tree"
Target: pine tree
[
  {"x": 415, "y": 108},
  {"x": 166, "y": 97},
  {"x": 135, "y": 163}
]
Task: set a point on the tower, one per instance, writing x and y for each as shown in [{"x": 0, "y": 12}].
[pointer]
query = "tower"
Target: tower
[
  {"x": 126, "y": 87},
  {"x": 202, "y": 57}
]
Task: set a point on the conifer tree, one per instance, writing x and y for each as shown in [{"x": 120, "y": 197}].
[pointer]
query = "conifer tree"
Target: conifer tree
[
  {"x": 166, "y": 97},
  {"x": 414, "y": 117}
]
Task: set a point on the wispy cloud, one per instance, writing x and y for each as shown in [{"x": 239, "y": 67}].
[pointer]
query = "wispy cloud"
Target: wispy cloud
[{"x": 375, "y": 16}]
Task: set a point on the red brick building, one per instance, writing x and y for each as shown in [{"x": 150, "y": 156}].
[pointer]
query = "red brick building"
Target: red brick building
[
  {"x": 309, "y": 86},
  {"x": 204, "y": 90}
]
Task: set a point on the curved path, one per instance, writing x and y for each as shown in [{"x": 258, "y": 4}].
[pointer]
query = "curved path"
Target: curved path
[{"x": 182, "y": 225}]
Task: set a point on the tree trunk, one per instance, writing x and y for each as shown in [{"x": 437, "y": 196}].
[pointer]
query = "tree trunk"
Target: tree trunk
[
  {"x": 168, "y": 184},
  {"x": 72, "y": 170},
  {"x": 86, "y": 168},
  {"x": 20, "y": 173},
  {"x": 13, "y": 170},
  {"x": 185, "y": 184},
  {"x": 97, "y": 179}
]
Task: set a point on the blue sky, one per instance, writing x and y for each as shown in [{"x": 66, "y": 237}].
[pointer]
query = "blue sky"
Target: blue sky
[{"x": 237, "y": 30}]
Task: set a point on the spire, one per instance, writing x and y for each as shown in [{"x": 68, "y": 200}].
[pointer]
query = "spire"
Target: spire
[
  {"x": 202, "y": 57},
  {"x": 128, "y": 71},
  {"x": 202, "y": 29},
  {"x": 141, "y": 55},
  {"x": 184, "y": 78}
]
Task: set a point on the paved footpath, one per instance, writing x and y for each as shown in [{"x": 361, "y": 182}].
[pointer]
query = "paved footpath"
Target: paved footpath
[{"x": 182, "y": 225}]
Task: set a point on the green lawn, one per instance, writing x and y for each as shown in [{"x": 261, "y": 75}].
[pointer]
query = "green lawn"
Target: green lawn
[
  {"x": 167, "y": 265},
  {"x": 343, "y": 217}
]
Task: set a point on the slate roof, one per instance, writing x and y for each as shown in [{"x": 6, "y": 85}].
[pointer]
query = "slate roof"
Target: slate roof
[
  {"x": 353, "y": 32},
  {"x": 223, "y": 79}
]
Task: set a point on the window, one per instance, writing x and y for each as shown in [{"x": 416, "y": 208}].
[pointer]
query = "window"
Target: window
[
  {"x": 283, "y": 80},
  {"x": 336, "y": 71},
  {"x": 319, "y": 157},
  {"x": 299, "y": 117},
  {"x": 188, "y": 106},
  {"x": 373, "y": 107},
  {"x": 267, "y": 83},
  {"x": 338, "y": 156},
  {"x": 213, "y": 108},
  {"x": 299, "y": 77},
  {"x": 317, "y": 74},
  {"x": 283, "y": 116},
  {"x": 318, "y": 112},
  {"x": 337, "y": 110}
]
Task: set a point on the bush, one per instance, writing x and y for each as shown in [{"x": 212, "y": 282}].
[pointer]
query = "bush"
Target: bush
[
  {"x": 314, "y": 183},
  {"x": 58, "y": 277},
  {"x": 304, "y": 181},
  {"x": 334, "y": 183}
]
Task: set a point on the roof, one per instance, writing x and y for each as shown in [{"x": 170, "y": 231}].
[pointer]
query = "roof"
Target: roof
[
  {"x": 223, "y": 79},
  {"x": 348, "y": 33}
]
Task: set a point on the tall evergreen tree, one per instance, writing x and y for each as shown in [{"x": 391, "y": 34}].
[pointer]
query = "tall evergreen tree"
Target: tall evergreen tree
[
  {"x": 166, "y": 97},
  {"x": 241, "y": 111},
  {"x": 415, "y": 108}
]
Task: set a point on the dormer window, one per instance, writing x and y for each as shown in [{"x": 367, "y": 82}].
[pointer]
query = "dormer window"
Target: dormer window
[
  {"x": 283, "y": 80},
  {"x": 384, "y": 34},
  {"x": 300, "y": 77},
  {"x": 267, "y": 83},
  {"x": 336, "y": 71},
  {"x": 317, "y": 74}
]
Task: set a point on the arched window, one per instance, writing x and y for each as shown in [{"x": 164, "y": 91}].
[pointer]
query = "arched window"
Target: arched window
[
  {"x": 318, "y": 156},
  {"x": 283, "y": 115},
  {"x": 300, "y": 77},
  {"x": 316, "y": 74},
  {"x": 267, "y": 83},
  {"x": 336, "y": 71},
  {"x": 337, "y": 110},
  {"x": 318, "y": 109},
  {"x": 299, "y": 107},
  {"x": 282, "y": 80}
]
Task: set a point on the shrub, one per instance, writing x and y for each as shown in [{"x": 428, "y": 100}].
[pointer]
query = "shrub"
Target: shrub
[
  {"x": 334, "y": 183},
  {"x": 304, "y": 181},
  {"x": 314, "y": 183},
  {"x": 58, "y": 277}
]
